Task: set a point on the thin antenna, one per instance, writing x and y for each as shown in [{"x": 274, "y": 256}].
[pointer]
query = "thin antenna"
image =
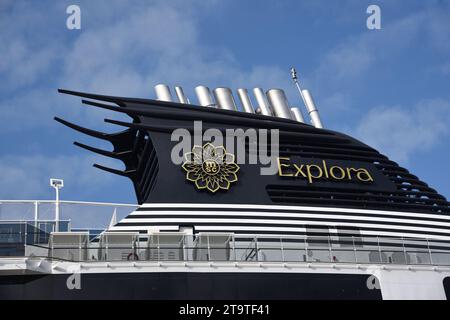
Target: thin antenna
[
  {"x": 307, "y": 100},
  {"x": 297, "y": 84}
]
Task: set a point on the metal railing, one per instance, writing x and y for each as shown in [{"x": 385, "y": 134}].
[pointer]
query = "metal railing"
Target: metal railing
[
  {"x": 234, "y": 248},
  {"x": 33, "y": 209},
  {"x": 29, "y": 232},
  {"x": 82, "y": 214}
]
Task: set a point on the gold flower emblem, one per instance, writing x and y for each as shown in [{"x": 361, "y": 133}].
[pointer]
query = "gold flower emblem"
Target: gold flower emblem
[{"x": 210, "y": 167}]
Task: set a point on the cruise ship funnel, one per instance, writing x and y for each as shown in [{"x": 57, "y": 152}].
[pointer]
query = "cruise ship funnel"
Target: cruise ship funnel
[
  {"x": 180, "y": 95},
  {"x": 163, "y": 93},
  {"x": 278, "y": 101},
  {"x": 261, "y": 99},
  {"x": 297, "y": 114},
  {"x": 224, "y": 98},
  {"x": 312, "y": 110},
  {"x": 245, "y": 100},
  {"x": 204, "y": 96}
]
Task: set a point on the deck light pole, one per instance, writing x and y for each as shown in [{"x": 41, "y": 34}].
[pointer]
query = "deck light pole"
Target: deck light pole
[{"x": 57, "y": 184}]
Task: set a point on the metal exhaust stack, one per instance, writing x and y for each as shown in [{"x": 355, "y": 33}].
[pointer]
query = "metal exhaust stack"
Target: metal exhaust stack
[
  {"x": 204, "y": 96},
  {"x": 245, "y": 100},
  {"x": 262, "y": 102},
  {"x": 163, "y": 93},
  {"x": 313, "y": 113},
  {"x": 224, "y": 99},
  {"x": 308, "y": 101},
  {"x": 180, "y": 95},
  {"x": 297, "y": 114},
  {"x": 279, "y": 103}
]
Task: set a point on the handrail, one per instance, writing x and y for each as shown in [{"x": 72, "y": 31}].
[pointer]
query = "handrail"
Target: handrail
[
  {"x": 33, "y": 221},
  {"x": 123, "y": 253},
  {"x": 82, "y": 250},
  {"x": 70, "y": 202}
]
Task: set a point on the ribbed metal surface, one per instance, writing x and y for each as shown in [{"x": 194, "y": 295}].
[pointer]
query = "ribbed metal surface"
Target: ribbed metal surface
[
  {"x": 411, "y": 195},
  {"x": 275, "y": 219}
]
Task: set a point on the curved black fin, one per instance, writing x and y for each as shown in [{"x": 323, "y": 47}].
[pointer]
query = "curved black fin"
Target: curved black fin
[
  {"x": 128, "y": 173},
  {"x": 106, "y": 153},
  {"x": 89, "y": 132}
]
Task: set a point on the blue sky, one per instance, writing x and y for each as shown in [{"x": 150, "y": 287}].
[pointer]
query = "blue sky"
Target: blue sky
[{"x": 388, "y": 87}]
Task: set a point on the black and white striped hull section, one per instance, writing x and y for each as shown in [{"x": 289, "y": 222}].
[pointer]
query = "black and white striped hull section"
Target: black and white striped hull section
[{"x": 283, "y": 220}]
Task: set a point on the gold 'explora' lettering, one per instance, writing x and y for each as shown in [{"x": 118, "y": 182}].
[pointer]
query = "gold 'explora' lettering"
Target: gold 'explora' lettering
[
  {"x": 313, "y": 172},
  {"x": 341, "y": 172},
  {"x": 364, "y": 175},
  {"x": 280, "y": 165},
  {"x": 310, "y": 172},
  {"x": 299, "y": 170}
]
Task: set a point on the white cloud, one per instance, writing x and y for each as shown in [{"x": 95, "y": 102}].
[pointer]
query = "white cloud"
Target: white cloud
[
  {"x": 125, "y": 50},
  {"x": 28, "y": 50},
  {"x": 27, "y": 176},
  {"x": 348, "y": 65},
  {"x": 159, "y": 43},
  {"x": 119, "y": 55},
  {"x": 400, "y": 132},
  {"x": 358, "y": 53}
]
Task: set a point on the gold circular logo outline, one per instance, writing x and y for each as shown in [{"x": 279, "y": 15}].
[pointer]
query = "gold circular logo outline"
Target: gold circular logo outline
[{"x": 200, "y": 158}]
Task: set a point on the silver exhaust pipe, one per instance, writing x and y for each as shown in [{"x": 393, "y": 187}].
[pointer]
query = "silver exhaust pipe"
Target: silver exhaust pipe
[
  {"x": 313, "y": 113},
  {"x": 307, "y": 100},
  {"x": 224, "y": 99},
  {"x": 273, "y": 103},
  {"x": 180, "y": 95},
  {"x": 278, "y": 101},
  {"x": 163, "y": 93},
  {"x": 245, "y": 100},
  {"x": 297, "y": 114},
  {"x": 261, "y": 99},
  {"x": 204, "y": 96}
]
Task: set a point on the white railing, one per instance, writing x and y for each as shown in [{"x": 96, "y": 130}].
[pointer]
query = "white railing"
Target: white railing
[
  {"x": 37, "y": 202},
  {"x": 199, "y": 247},
  {"x": 97, "y": 214},
  {"x": 252, "y": 248}
]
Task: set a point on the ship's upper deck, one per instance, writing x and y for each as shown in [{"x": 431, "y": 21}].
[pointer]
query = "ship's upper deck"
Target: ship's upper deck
[{"x": 316, "y": 167}]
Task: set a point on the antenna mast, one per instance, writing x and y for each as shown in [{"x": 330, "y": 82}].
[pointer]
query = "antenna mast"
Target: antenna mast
[
  {"x": 307, "y": 100},
  {"x": 297, "y": 83}
]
